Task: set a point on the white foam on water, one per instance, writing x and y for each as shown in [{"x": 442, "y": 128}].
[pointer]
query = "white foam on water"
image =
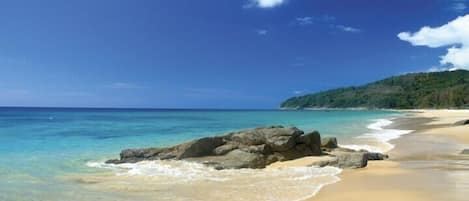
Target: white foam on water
[
  {"x": 379, "y": 124},
  {"x": 182, "y": 170},
  {"x": 290, "y": 183},
  {"x": 370, "y": 148},
  {"x": 380, "y": 134}
]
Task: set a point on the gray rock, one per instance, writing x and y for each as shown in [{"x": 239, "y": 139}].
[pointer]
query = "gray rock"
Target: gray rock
[
  {"x": 376, "y": 156},
  {"x": 221, "y": 150},
  {"x": 254, "y": 148},
  {"x": 326, "y": 161},
  {"x": 198, "y": 148},
  {"x": 136, "y": 155},
  {"x": 465, "y": 152},
  {"x": 260, "y": 149},
  {"x": 462, "y": 122},
  {"x": 281, "y": 139},
  {"x": 313, "y": 141},
  {"x": 329, "y": 142},
  {"x": 349, "y": 159},
  {"x": 235, "y": 159},
  {"x": 343, "y": 159}
]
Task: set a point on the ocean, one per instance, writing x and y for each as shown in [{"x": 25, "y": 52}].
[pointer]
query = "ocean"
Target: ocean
[{"x": 58, "y": 153}]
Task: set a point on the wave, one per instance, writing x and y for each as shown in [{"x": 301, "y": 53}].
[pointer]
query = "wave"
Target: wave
[
  {"x": 290, "y": 183},
  {"x": 379, "y": 134},
  {"x": 194, "y": 181}
]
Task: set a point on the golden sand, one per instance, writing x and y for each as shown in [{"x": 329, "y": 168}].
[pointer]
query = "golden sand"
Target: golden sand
[{"x": 390, "y": 181}]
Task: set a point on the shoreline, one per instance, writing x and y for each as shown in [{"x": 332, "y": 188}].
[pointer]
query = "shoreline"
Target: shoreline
[{"x": 419, "y": 165}]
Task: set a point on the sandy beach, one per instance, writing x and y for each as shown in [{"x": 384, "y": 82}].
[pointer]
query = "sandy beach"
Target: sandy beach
[{"x": 424, "y": 165}]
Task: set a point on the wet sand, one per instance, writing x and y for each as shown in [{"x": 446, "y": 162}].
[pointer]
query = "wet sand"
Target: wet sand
[{"x": 423, "y": 166}]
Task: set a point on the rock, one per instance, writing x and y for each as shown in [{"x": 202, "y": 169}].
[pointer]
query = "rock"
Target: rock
[
  {"x": 253, "y": 148},
  {"x": 235, "y": 159},
  {"x": 329, "y": 142},
  {"x": 462, "y": 122},
  {"x": 221, "y": 150},
  {"x": 280, "y": 139},
  {"x": 376, "y": 156},
  {"x": 197, "y": 148},
  {"x": 261, "y": 149},
  {"x": 114, "y": 161},
  {"x": 136, "y": 155},
  {"x": 326, "y": 161},
  {"x": 313, "y": 140},
  {"x": 351, "y": 159},
  {"x": 465, "y": 152},
  {"x": 342, "y": 159}
]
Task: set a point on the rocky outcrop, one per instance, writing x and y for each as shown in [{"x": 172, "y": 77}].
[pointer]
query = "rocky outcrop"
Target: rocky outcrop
[
  {"x": 255, "y": 148},
  {"x": 329, "y": 143}
]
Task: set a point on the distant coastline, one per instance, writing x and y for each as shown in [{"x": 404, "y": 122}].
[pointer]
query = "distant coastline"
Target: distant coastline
[{"x": 449, "y": 89}]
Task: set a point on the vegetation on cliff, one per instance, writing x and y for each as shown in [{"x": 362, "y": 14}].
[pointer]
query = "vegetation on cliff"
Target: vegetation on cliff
[{"x": 448, "y": 89}]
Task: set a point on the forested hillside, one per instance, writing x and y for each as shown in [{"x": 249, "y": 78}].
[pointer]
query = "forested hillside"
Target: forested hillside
[{"x": 449, "y": 89}]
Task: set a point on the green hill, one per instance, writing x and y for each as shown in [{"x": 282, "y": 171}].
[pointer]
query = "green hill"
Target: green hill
[{"x": 449, "y": 89}]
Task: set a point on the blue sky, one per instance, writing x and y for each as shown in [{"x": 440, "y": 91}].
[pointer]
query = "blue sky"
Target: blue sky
[{"x": 212, "y": 53}]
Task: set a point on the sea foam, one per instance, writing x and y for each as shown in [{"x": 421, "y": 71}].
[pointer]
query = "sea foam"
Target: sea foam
[
  {"x": 379, "y": 133},
  {"x": 290, "y": 183}
]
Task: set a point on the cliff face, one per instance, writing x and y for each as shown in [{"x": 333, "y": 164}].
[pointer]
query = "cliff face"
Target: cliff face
[{"x": 449, "y": 89}]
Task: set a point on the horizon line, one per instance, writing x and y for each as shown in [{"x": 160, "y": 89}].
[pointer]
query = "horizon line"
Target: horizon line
[{"x": 130, "y": 108}]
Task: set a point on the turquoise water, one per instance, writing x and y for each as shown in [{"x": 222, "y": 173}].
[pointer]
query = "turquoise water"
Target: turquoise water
[{"x": 39, "y": 145}]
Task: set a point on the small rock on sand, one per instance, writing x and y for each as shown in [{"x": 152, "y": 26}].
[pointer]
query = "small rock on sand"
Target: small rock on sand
[{"x": 465, "y": 152}]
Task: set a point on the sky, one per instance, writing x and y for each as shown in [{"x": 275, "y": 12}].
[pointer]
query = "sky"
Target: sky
[{"x": 217, "y": 54}]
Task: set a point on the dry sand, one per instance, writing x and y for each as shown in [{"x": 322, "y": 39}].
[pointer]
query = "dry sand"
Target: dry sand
[{"x": 424, "y": 166}]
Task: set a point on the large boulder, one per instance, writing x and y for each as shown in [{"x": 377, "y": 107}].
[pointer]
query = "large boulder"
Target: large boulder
[
  {"x": 329, "y": 142},
  {"x": 313, "y": 141},
  {"x": 253, "y": 148}
]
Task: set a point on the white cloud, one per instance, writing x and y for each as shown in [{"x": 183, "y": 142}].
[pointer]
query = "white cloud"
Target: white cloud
[
  {"x": 298, "y": 92},
  {"x": 264, "y": 3},
  {"x": 304, "y": 20},
  {"x": 348, "y": 29},
  {"x": 308, "y": 20},
  {"x": 262, "y": 32},
  {"x": 454, "y": 34}
]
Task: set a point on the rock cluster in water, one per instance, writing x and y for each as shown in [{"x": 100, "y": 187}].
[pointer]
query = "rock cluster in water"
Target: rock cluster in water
[{"x": 255, "y": 148}]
